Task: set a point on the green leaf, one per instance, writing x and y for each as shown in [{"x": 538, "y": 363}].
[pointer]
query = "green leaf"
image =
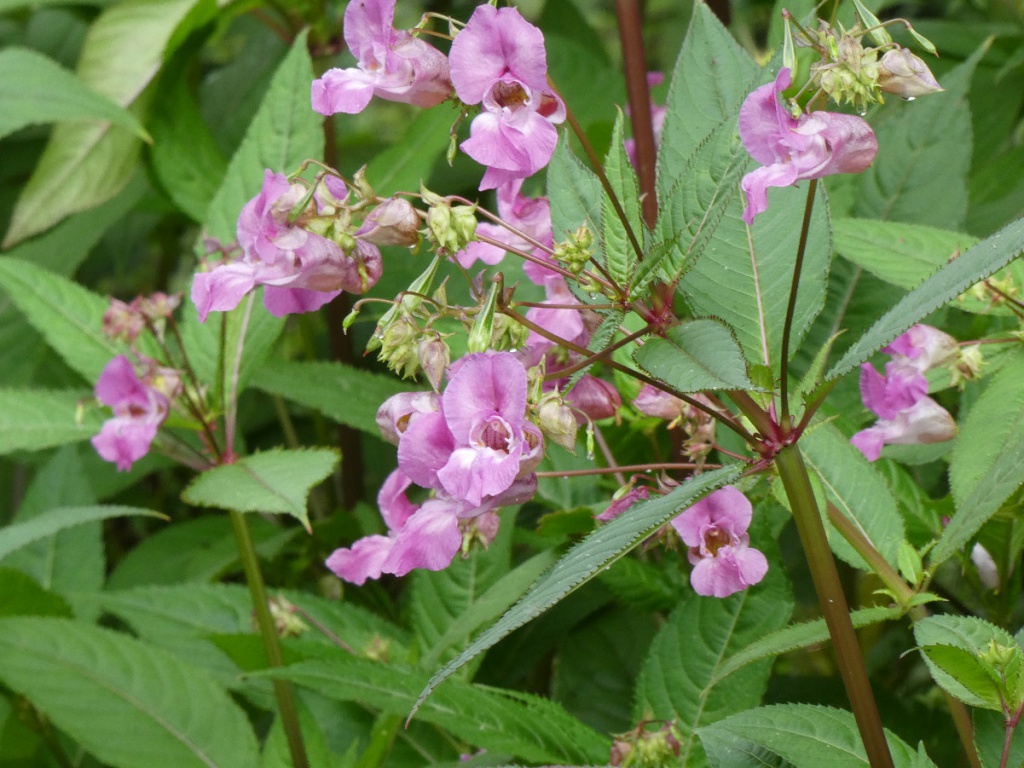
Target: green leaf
[
  {"x": 284, "y": 133},
  {"x": 584, "y": 561},
  {"x": 348, "y": 395},
  {"x": 677, "y": 681},
  {"x": 900, "y": 254},
  {"x": 128, "y": 704},
  {"x": 858, "y": 492},
  {"x": 576, "y": 197},
  {"x": 924, "y": 153},
  {"x": 84, "y": 165},
  {"x": 35, "y": 89},
  {"x": 68, "y": 316},
  {"x": 273, "y": 481},
  {"x": 529, "y": 727},
  {"x": 990, "y": 736},
  {"x": 969, "y": 671},
  {"x": 970, "y": 635},
  {"x": 18, "y": 535},
  {"x": 696, "y": 356},
  {"x": 950, "y": 281},
  {"x": 21, "y": 595},
  {"x": 985, "y": 468},
  {"x": 31, "y": 419},
  {"x": 798, "y": 636},
  {"x": 802, "y": 735},
  {"x": 276, "y": 753},
  {"x": 407, "y": 162},
  {"x": 618, "y": 249}
]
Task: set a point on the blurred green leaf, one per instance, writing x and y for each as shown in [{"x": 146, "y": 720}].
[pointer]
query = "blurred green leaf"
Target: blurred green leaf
[
  {"x": 32, "y": 419},
  {"x": 620, "y": 256},
  {"x": 695, "y": 356},
  {"x": 17, "y": 535}
]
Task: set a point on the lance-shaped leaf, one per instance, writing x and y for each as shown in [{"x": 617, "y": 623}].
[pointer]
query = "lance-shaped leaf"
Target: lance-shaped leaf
[
  {"x": 584, "y": 561},
  {"x": 620, "y": 255},
  {"x": 17, "y": 535},
  {"x": 575, "y": 196},
  {"x": 86, "y": 164},
  {"x": 32, "y": 419},
  {"x": 696, "y": 356},
  {"x": 284, "y": 132},
  {"x": 272, "y": 481},
  {"x": 35, "y": 89},
  {"x": 797, "y": 736},
  {"x": 127, "y": 703},
  {"x": 950, "y": 281},
  {"x": 986, "y": 467}
]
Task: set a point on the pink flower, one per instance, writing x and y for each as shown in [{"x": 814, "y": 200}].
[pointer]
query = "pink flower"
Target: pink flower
[
  {"x": 922, "y": 348},
  {"x": 791, "y": 148},
  {"x": 480, "y": 442},
  {"x": 139, "y": 410},
  {"x": 397, "y": 412},
  {"x": 715, "y": 529},
  {"x": 499, "y": 62},
  {"x": 651, "y": 401},
  {"x": 393, "y": 65},
  {"x": 301, "y": 270}
]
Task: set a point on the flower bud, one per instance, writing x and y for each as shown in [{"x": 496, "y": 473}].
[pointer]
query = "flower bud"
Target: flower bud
[
  {"x": 286, "y": 623},
  {"x": 557, "y": 421},
  {"x": 122, "y": 321},
  {"x": 451, "y": 228},
  {"x": 902, "y": 73},
  {"x": 967, "y": 365},
  {"x": 398, "y": 347},
  {"x": 434, "y": 360},
  {"x": 393, "y": 222},
  {"x": 576, "y": 251}
]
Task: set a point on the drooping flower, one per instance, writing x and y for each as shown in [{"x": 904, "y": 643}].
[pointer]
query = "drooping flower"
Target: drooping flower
[
  {"x": 791, "y": 149},
  {"x": 301, "y": 270},
  {"x": 922, "y": 347},
  {"x": 498, "y": 61},
  {"x": 906, "y": 75},
  {"x": 393, "y": 65},
  {"x": 715, "y": 529},
  {"x": 139, "y": 410}
]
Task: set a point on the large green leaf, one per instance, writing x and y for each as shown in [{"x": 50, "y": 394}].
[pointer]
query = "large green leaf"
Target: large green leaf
[
  {"x": 402, "y": 166},
  {"x": 950, "y": 281},
  {"x": 84, "y": 165},
  {"x": 986, "y": 466},
  {"x": 584, "y": 561},
  {"x": 858, "y": 492},
  {"x": 576, "y": 197},
  {"x": 17, "y": 535},
  {"x": 32, "y": 419},
  {"x": 273, "y": 481},
  {"x": 529, "y": 727},
  {"x": 35, "y": 89},
  {"x": 127, "y": 703},
  {"x": 680, "y": 680},
  {"x": 348, "y": 395},
  {"x": 803, "y": 736},
  {"x": 619, "y": 254},
  {"x": 284, "y": 132},
  {"x": 696, "y": 356},
  {"x": 901, "y": 254},
  {"x": 924, "y": 153}
]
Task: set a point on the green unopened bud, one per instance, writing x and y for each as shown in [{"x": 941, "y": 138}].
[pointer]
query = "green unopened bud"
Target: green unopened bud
[
  {"x": 450, "y": 227},
  {"x": 968, "y": 365},
  {"x": 557, "y": 421},
  {"x": 576, "y": 250},
  {"x": 398, "y": 347},
  {"x": 362, "y": 186},
  {"x": 508, "y": 334},
  {"x": 999, "y": 656},
  {"x": 287, "y": 622},
  {"x": 410, "y": 302},
  {"x": 481, "y": 333}
]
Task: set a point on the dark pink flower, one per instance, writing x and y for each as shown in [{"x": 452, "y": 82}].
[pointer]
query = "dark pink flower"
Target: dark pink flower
[
  {"x": 922, "y": 348},
  {"x": 791, "y": 149},
  {"x": 139, "y": 410},
  {"x": 393, "y": 65},
  {"x": 499, "y": 62},
  {"x": 715, "y": 529},
  {"x": 301, "y": 270}
]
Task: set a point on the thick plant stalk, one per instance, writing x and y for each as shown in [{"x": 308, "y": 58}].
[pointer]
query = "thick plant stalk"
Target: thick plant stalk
[
  {"x": 258, "y": 591},
  {"x": 794, "y": 476},
  {"x": 635, "y": 64}
]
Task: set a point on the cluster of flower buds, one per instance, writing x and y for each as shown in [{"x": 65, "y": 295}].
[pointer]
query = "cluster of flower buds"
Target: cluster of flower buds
[
  {"x": 652, "y": 744},
  {"x": 125, "y": 321},
  {"x": 906, "y": 415},
  {"x": 306, "y": 243}
]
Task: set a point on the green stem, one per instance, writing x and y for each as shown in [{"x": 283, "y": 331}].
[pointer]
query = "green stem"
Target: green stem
[
  {"x": 787, "y": 329},
  {"x": 258, "y": 591},
  {"x": 807, "y": 517}
]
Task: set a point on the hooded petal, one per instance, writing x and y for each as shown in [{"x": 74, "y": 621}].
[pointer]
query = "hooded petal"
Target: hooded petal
[
  {"x": 425, "y": 448},
  {"x": 223, "y": 288},
  {"x": 726, "y": 509},
  {"x": 361, "y": 561},
  {"x": 484, "y": 384},
  {"x": 348, "y": 91},
  {"x": 281, "y": 302},
  {"x": 732, "y": 570},
  {"x": 430, "y": 539}
]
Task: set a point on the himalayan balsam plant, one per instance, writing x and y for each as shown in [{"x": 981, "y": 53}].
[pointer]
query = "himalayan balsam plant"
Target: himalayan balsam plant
[{"x": 662, "y": 417}]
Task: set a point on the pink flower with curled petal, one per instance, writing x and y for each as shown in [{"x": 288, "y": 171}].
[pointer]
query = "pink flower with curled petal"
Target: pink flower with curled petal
[
  {"x": 922, "y": 347},
  {"x": 498, "y": 61},
  {"x": 715, "y": 529},
  {"x": 393, "y": 65},
  {"x": 397, "y": 412},
  {"x": 924, "y": 422},
  {"x": 301, "y": 270},
  {"x": 139, "y": 410},
  {"x": 791, "y": 149}
]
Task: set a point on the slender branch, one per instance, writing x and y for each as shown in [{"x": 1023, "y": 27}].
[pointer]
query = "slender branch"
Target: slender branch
[
  {"x": 231, "y": 416},
  {"x": 606, "y": 451},
  {"x": 635, "y": 64},
  {"x": 795, "y": 479},
  {"x": 283, "y": 688},
  {"x": 889, "y": 575},
  {"x": 791, "y": 306},
  {"x": 596, "y": 357}
]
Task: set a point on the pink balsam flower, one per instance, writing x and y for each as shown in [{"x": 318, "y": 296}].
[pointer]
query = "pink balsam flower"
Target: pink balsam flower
[
  {"x": 791, "y": 149},
  {"x": 499, "y": 62},
  {"x": 393, "y": 65},
  {"x": 301, "y": 270},
  {"x": 139, "y": 410},
  {"x": 715, "y": 529},
  {"x": 922, "y": 347}
]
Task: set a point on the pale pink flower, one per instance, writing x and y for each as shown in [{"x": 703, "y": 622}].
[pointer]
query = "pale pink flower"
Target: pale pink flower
[
  {"x": 529, "y": 215},
  {"x": 906, "y": 75},
  {"x": 715, "y": 529},
  {"x": 393, "y": 65},
  {"x": 139, "y": 410},
  {"x": 791, "y": 149},
  {"x": 498, "y": 61},
  {"x": 922, "y": 348},
  {"x": 652, "y": 401}
]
